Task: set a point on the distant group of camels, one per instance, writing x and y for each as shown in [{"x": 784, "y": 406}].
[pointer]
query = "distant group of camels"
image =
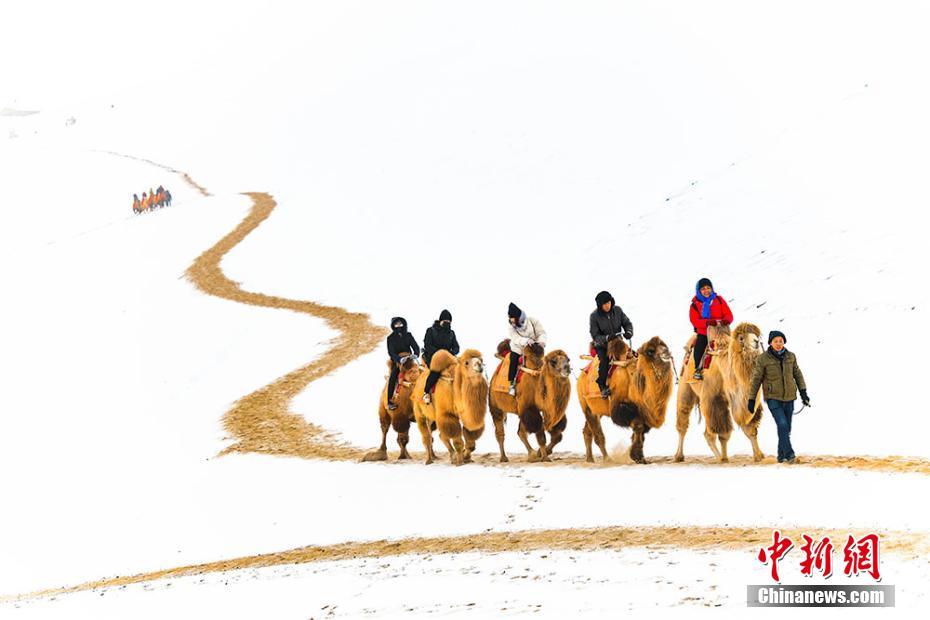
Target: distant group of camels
[{"x": 640, "y": 382}]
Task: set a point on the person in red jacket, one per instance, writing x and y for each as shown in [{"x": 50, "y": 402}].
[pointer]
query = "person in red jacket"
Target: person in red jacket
[{"x": 707, "y": 308}]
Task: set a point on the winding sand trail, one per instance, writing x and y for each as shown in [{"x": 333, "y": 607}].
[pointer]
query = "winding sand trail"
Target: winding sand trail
[
  {"x": 262, "y": 422},
  {"x": 908, "y": 545}
]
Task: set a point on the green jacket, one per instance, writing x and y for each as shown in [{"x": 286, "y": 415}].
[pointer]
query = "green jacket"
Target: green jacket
[{"x": 780, "y": 378}]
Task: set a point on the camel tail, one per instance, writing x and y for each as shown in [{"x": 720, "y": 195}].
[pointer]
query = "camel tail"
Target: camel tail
[
  {"x": 623, "y": 413},
  {"x": 718, "y": 416}
]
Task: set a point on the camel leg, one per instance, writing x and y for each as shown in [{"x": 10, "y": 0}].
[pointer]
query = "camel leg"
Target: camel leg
[
  {"x": 498, "y": 417},
  {"x": 450, "y": 432},
  {"x": 427, "y": 434},
  {"x": 686, "y": 401},
  {"x": 636, "y": 449},
  {"x": 752, "y": 432},
  {"x": 470, "y": 438},
  {"x": 402, "y": 439},
  {"x": 543, "y": 451},
  {"x": 401, "y": 424},
  {"x": 711, "y": 438},
  {"x": 531, "y": 454},
  {"x": 599, "y": 436},
  {"x": 588, "y": 434},
  {"x": 554, "y": 438},
  {"x": 723, "y": 447}
]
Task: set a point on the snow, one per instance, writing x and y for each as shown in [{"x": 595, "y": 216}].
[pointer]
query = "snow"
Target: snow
[{"x": 423, "y": 157}]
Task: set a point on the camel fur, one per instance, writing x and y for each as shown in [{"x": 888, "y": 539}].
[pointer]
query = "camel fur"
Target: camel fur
[
  {"x": 542, "y": 398},
  {"x": 458, "y": 406},
  {"x": 640, "y": 388},
  {"x": 722, "y": 395},
  {"x": 400, "y": 418}
]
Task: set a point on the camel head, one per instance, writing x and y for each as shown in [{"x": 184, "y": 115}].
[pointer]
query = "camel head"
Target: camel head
[
  {"x": 655, "y": 353},
  {"x": 747, "y": 340},
  {"x": 557, "y": 362},
  {"x": 410, "y": 369},
  {"x": 471, "y": 363}
]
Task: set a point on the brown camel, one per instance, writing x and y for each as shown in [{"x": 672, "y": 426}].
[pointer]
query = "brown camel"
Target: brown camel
[
  {"x": 401, "y": 417},
  {"x": 722, "y": 395},
  {"x": 542, "y": 398},
  {"x": 458, "y": 406},
  {"x": 640, "y": 388}
]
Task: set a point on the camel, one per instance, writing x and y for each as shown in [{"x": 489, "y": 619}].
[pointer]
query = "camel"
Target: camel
[
  {"x": 542, "y": 398},
  {"x": 640, "y": 388},
  {"x": 458, "y": 407},
  {"x": 401, "y": 417},
  {"x": 722, "y": 395}
]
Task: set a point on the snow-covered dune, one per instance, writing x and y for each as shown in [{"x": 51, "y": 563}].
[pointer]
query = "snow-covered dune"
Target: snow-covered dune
[{"x": 426, "y": 157}]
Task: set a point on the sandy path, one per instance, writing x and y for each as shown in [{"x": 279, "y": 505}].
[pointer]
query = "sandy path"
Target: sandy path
[{"x": 905, "y": 544}]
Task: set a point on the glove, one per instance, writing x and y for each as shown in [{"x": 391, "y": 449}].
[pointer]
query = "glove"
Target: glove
[
  {"x": 711, "y": 322},
  {"x": 805, "y": 398},
  {"x": 627, "y": 335},
  {"x": 752, "y": 405}
]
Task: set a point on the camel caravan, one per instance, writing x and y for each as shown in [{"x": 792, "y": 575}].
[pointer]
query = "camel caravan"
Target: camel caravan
[
  {"x": 726, "y": 375},
  {"x": 151, "y": 200}
]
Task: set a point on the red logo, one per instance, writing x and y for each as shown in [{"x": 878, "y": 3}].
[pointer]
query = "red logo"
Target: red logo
[{"x": 859, "y": 556}]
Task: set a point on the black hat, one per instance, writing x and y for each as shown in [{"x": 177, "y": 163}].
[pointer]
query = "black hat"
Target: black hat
[
  {"x": 513, "y": 311},
  {"x": 445, "y": 315},
  {"x": 399, "y": 323},
  {"x": 775, "y": 334},
  {"x": 603, "y": 297},
  {"x": 704, "y": 282}
]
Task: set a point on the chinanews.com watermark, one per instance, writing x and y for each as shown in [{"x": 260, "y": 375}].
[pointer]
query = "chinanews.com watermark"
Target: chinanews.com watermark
[{"x": 860, "y": 557}]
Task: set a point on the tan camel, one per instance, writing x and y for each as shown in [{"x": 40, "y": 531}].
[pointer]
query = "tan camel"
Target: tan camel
[
  {"x": 542, "y": 397},
  {"x": 458, "y": 407},
  {"x": 722, "y": 395},
  {"x": 640, "y": 388},
  {"x": 401, "y": 417}
]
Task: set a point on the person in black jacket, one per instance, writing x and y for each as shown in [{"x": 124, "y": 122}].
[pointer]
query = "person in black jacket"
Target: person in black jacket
[
  {"x": 438, "y": 337},
  {"x": 400, "y": 344},
  {"x": 608, "y": 321}
]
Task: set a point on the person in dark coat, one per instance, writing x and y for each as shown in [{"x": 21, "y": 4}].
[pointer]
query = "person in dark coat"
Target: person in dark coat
[
  {"x": 608, "y": 321},
  {"x": 439, "y": 337},
  {"x": 707, "y": 308},
  {"x": 778, "y": 374},
  {"x": 400, "y": 344}
]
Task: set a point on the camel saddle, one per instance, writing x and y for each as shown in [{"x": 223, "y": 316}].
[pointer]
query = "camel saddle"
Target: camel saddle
[
  {"x": 595, "y": 361},
  {"x": 505, "y": 359}
]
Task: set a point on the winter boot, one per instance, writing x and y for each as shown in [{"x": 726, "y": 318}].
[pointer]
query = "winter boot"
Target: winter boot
[
  {"x": 512, "y": 390},
  {"x": 427, "y": 398},
  {"x": 392, "y": 405},
  {"x": 605, "y": 392}
]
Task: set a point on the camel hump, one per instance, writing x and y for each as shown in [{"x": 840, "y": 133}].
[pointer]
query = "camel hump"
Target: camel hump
[
  {"x": 442, "y": 360},
  {"x": 503, "y": 347},
  {"x": 469, "y": 354}
]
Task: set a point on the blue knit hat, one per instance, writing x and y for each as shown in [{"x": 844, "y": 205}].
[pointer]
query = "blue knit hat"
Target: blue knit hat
[{"x": 775, "y": 334}]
